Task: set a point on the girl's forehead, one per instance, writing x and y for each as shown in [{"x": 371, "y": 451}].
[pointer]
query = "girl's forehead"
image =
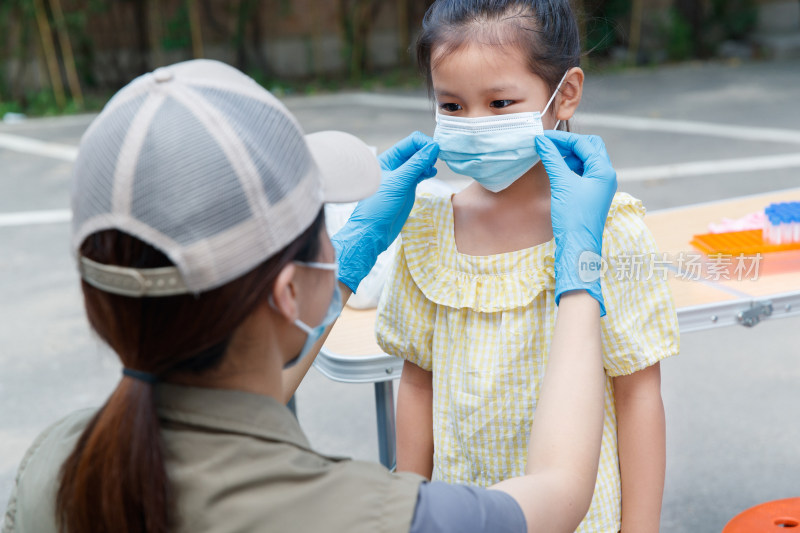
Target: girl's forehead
[
  {"x": 477, "y": 57},
  {"x": 505, "y": 54},
  {"x": 479, "y": 63}
]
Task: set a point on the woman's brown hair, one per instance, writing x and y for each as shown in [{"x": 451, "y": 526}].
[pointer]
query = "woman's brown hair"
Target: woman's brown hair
[{"x": 115, "y": 480}]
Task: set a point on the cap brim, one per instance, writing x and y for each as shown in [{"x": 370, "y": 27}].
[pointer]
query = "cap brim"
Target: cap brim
[{"x": 348, "y": 167}]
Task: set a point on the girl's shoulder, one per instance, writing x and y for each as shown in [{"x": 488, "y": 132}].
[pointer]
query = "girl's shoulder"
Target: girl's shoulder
[
  {"x": 427, "y": 221},
  {"x": 625, "y": 229},
  {"x": 428, "y": 208},
  {"x": 624, "y": 205}
]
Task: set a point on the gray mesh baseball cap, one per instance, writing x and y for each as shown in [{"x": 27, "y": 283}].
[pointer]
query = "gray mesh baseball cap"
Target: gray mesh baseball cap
[{"x": 204, "y": 164}]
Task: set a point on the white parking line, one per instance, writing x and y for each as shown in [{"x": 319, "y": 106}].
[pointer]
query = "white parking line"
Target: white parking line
[
  {"x": 30, "y": 146},
  {"x": 32, "y": 218},
  {"x": 726, "y": 131},
  {"x": 704, "y": 168}
]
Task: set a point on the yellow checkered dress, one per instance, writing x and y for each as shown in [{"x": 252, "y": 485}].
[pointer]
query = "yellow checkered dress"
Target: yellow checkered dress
[{"x": 483, "y": 326}]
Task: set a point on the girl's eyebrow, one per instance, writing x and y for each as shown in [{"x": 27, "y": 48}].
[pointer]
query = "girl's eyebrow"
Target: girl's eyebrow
[
  {"x": 445, "y": 93},
  {"x": 500, "y": 89}
]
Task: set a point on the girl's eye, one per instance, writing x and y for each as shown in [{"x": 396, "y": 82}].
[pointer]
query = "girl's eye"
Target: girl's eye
[
  {"x": 501, "y": 103},
  {"x": 450, "y": 108}
]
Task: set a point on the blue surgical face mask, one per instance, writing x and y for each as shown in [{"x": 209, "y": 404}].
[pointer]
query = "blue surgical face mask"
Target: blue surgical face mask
[
  {"x": 496, "y": 150},
  {"x": 334, "y": 310}
]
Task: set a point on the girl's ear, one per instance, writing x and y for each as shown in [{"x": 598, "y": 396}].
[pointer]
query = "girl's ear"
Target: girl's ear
[
  {"x": 284, "y": 294},
  {"x": 570, "y": 94}
]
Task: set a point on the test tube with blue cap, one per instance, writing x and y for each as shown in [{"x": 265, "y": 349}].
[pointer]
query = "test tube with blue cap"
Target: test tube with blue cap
[{"x": 782, "y": 223}]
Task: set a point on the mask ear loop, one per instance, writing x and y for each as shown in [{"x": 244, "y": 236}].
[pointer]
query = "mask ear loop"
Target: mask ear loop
[
  {"x": 333, "y": 267},
  {"x": 564, "y": 77}
]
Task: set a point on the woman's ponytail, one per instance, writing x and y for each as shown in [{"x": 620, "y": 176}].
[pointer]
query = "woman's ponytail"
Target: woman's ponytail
[{"x": 115, "y": 479}]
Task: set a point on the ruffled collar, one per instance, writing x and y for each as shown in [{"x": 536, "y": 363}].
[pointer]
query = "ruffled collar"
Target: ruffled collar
[{"x": 486, "y": 284}]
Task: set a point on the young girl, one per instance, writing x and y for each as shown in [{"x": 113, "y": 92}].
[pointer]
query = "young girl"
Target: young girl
[{"x": 470, "y": 303}]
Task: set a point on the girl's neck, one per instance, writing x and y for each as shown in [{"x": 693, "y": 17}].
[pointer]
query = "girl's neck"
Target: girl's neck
[
  {"x": 516, "y": 218},
  {"x": 532, "y": 186}
]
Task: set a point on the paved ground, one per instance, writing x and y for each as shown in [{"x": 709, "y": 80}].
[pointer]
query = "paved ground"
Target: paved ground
[{"x": 677, "y": 135}]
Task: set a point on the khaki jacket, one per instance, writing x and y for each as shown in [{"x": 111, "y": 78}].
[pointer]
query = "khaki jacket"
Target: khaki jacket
[{"x": 237, "y": 462}]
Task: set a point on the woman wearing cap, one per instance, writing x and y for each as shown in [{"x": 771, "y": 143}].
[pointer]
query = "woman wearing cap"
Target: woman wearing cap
[{"x": 199, "y": 233}]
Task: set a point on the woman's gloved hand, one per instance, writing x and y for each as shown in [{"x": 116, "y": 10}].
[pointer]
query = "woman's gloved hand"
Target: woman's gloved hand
[
  {"x": 377, "y": 220},
  {"x": 579, "y": 207}
]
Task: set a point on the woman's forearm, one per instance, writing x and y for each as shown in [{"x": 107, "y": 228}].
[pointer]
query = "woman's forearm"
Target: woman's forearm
[
  {"x": 641, "y": 431},
  {"x": 564, "y": 447},
  {"x": 568, "y": 424},
  {"x": 415, "y": 421}
]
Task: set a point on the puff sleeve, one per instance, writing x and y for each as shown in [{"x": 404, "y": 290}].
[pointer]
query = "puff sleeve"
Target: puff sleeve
[
  {"x": 641, "y": 325},
  {"x": 405, "y": 317}
]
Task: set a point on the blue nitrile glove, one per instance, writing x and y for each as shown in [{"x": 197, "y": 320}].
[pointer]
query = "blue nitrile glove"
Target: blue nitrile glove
[
  {"x": 377, "y": 220},
  {"x": 578, "y": 207}
]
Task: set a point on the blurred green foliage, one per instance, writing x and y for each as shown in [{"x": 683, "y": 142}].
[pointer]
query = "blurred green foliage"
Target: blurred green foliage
[
  {"x": 679, "y": 42},
  {"x": 604, "y": 27},
  {"x": 42, "y": 103},
  {"x": 697, "y": 29},
  {"x": 177, "y": 35},
  {"x": 738, "y": 18}
]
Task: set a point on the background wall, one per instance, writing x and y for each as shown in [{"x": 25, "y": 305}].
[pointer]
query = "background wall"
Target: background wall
[{"x": 52, "y": 51}]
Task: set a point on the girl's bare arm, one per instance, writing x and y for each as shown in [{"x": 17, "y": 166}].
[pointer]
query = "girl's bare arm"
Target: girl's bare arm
[
  {"x": 641, "y": 430},
  {"x": 415, "y": 421}
]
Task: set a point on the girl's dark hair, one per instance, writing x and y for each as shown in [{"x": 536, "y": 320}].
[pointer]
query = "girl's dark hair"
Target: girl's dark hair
[
  {"x": 546, "y": 31},
  {"x": 115, "y": 479}
]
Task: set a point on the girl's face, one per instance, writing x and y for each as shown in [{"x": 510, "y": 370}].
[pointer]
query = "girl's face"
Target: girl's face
[{"x": 478, "y": 80}]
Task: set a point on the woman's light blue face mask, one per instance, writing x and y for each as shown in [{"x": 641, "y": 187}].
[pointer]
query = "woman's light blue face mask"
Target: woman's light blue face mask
[
  {"x": 334, "y": 310},
  {"x": 495, "y": 150}
]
